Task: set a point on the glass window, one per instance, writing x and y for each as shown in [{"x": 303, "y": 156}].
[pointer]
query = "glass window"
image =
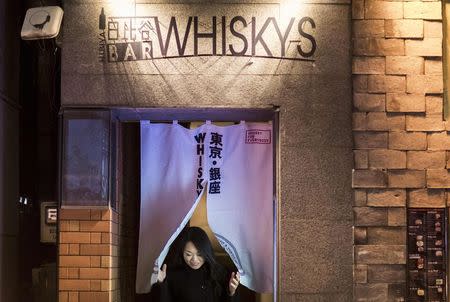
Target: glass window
[{"x": 86, "y": 161}]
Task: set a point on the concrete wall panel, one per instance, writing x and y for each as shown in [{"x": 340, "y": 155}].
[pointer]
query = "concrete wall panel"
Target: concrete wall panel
[{"x": 313, "y": 94}]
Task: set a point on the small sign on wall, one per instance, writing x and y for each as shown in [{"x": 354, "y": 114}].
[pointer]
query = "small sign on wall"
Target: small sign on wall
[
  {"x": 42, "y": 23},
  {"x": 427, "y": 254},
  {"x": 49, "y": 219}
]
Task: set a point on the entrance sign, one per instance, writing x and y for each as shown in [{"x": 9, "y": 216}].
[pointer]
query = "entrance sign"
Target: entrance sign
[
  {"x": 234, "y": 164},
  {"x": 153, "y": 36}
]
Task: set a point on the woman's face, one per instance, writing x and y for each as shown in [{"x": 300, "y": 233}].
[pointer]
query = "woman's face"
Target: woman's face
[{"x": 192, "y": 256}]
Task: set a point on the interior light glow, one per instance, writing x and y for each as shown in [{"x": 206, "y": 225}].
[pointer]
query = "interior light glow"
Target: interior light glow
[
  {"x": 122, "y": 7},
  {"x": 289, "y": 9}
]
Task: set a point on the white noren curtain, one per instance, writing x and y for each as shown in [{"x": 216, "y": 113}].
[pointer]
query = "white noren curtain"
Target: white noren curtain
[{"x": 234, "y": 164}]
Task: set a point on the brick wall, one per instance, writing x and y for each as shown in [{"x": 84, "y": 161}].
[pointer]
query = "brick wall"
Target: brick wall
[
  {"x": 88, "y": 250},
  {"x": 400, "y": 138}
]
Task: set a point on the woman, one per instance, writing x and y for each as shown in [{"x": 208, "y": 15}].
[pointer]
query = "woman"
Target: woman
[{"x": 197, "y": 276}]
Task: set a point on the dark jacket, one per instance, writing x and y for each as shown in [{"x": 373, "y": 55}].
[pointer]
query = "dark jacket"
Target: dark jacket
[{"x": 184, "y": 284}]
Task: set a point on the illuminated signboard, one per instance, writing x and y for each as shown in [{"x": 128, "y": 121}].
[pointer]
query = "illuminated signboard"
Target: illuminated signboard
[{"x": 149, "y": 37}]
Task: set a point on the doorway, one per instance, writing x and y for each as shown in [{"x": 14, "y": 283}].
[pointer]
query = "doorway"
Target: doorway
[{"x": 129, "y": 187}]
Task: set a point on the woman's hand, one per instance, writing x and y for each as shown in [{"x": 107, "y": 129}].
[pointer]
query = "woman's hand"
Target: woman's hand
[
  {"x": 234, "y": 283},
  {"x": 162, "y": 273}
]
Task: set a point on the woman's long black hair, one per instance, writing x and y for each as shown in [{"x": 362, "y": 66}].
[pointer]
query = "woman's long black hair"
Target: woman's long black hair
[{"x": 216, "y": 272}]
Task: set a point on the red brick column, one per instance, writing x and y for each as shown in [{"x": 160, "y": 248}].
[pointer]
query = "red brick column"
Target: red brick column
[
  {"x": 400, "y": 138},
  {"x": 88, "y": 262}
]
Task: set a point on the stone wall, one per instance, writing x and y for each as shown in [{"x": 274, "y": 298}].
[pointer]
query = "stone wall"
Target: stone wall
[{"x": 400, "y": 138}]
